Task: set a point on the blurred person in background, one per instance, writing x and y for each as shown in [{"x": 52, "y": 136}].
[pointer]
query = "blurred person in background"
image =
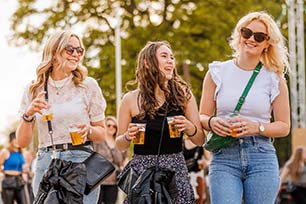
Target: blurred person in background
[
  {"x": 13, "y": 165},
  {"x": 197, "y": 166},
  {"x": 109, "y": 188},
  {"x": 28, "y": 175},
  {"x": 294, "y": 172}
]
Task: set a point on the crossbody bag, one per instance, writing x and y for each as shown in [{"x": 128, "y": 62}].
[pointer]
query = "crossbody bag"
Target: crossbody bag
[{"x": 214, "y": 141}]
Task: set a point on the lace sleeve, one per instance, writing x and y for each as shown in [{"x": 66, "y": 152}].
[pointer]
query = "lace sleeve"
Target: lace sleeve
[{"x": 97, "y": 103}]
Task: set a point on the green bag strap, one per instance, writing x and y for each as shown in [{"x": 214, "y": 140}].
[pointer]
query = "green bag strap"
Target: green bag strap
[{"x": 248, "y": 87}]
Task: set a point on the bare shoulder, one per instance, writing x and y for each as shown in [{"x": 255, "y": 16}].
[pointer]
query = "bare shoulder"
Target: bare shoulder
[
  {"x": 131, "y": 95},
  {"x": 129, "y": 101},
  {"x": 4, "y": 154}
]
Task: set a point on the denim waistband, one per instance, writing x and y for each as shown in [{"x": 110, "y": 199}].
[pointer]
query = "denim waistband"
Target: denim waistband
[{"x": 254, "y": 139}]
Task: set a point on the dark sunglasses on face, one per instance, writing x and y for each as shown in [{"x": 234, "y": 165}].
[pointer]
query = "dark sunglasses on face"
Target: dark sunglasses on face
[
  {"x": 109, "y": 125},
  {"x": 70, "y": 50},
  {"x": 258, "y": 36}
]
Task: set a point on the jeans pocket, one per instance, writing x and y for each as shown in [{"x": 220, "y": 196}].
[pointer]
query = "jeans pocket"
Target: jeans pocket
[
  {"x": 40, "y": 155},
  {"x": 266, "y": 147}
]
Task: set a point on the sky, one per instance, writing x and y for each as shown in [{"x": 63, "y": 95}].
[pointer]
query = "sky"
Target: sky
[{"x": 18, "y": 65}]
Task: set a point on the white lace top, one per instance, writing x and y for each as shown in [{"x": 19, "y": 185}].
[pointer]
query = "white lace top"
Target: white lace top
[
  {"x": 82, "y": 104},
  {"x": 231, "y": 81}
]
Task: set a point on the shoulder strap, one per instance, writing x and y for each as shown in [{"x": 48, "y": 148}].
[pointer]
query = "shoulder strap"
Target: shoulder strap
[
  {"x": 161, "y": 135},
  {"x": 248, "y": 87},
  {"x": 50, "y": 130}
]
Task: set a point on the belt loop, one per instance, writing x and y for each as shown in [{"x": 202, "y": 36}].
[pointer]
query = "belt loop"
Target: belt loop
[
  {"x": 253, "y": 140},
  {"x": 65, "y": 146}
]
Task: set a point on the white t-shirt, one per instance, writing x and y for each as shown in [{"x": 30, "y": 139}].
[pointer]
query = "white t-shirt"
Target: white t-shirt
[
  {"x": 231, "y": 81},
  {"x": 73, "y": 104}
]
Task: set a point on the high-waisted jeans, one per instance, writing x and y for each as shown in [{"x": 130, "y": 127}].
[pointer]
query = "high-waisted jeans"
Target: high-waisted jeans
[
  {"x": 44, "y": 160},
  {"x": 246, "y": 171}
]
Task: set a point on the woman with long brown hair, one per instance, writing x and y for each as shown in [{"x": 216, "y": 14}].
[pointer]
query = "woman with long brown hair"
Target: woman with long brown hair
[{"x": 160, "y": 93}]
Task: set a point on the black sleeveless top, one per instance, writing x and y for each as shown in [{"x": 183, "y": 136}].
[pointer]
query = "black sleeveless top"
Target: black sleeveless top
[{"x": 153, "y": 132}]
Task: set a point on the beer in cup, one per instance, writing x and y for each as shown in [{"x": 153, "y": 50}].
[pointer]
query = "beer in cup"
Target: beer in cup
[
  {"x": 140, "y": 136},
  {"x": 76, "y": 137},
  {"x": 173, "y": 131},
  {"x": 47, "y": 114},
  {"x": 228, "y": 117}
]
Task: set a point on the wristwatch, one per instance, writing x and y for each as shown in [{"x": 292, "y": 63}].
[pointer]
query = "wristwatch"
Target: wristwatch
[
  {"x": 261, "y": 128},
  {"x": 28, "y": 118}
]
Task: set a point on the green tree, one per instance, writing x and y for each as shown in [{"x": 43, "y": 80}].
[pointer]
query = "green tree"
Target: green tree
[{"x": 198, "y": 31}]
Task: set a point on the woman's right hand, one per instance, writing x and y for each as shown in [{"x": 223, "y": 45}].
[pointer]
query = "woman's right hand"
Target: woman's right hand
[
  {"x": 220, "y": 126},
  {"x": 132, "y": 131},
  {"x": 37, "y": 104}
]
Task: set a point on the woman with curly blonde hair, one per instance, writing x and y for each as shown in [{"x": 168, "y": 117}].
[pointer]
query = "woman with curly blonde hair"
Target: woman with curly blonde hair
[
  {"x": 74, "y": 100},
  {"x": 247, "y": 169}
]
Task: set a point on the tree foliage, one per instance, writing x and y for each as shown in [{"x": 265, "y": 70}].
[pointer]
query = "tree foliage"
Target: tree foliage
[{"x": 197, "y": 30}]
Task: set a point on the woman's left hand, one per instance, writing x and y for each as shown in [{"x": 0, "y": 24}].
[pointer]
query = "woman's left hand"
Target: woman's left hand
[
  {"x": 243, "y": 126},
  {"x": 183, "y": 124}
]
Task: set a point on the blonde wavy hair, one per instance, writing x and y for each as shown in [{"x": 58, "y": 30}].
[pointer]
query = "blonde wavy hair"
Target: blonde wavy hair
[
  {"x": 275, "y": 58},
  {"x": 114, "y": 120},
  {"x": 53, "y": 49}
]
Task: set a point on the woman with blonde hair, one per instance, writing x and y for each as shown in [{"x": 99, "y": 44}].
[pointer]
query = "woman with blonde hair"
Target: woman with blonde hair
[
  {"x": 74, "y": 100},
  {"x": 247, "y": 169}
]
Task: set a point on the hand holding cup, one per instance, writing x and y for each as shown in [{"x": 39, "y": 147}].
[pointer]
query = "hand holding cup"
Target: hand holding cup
[
  {"x": 78, "y": 133},
  {"x": 37, "y": 104}
]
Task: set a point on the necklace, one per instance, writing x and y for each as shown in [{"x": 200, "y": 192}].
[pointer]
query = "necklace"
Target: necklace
[{"x": 59, "y": 88}]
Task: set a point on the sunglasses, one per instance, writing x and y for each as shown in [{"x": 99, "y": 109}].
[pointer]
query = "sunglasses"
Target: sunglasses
[
  {"x": 258, "y": 36},
  {"x": 70, "y": 50},
  {"x": 109, "y": 125}
]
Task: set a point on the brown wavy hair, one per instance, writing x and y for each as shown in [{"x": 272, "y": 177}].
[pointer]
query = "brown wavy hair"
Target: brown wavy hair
[
  {"x": 55, "y": 45},
  {"x": 148, "y": 77},
  {"x": 294, "y": 163}
]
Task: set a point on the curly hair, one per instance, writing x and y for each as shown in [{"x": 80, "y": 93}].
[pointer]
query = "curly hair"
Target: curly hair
[
  {"x": 275, "y": 58},
  {"x": 148, "y": 77},
  {"x": 55, "y": 45}
]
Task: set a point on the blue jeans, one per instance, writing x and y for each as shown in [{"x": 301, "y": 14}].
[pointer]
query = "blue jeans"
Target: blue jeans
[
  {"x": 44, "y": 160},
  {"x": 246, "y": 170}
]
